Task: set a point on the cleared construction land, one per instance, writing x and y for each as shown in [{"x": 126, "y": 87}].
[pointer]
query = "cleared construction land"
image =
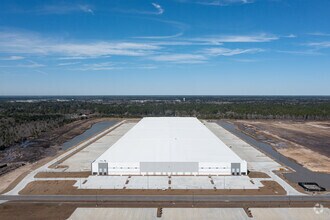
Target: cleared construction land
[
  {"x": 305, "y": 142},
  {"x": 72, "y": 173}
]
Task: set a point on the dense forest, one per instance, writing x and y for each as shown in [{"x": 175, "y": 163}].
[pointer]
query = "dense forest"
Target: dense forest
[{"x": 26, "y": 117}]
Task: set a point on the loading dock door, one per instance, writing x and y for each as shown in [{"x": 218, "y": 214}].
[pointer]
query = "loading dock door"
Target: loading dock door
[
  {"x": 235, "y": 168},
  {"x": 103, "y": 168}
]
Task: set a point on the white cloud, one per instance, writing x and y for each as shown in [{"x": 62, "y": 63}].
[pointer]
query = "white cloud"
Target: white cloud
[
  {"x": 291, "y": 36},
  {"x": 67, "y": 64},
  {"x": 27, "y": 64},
  {"x": 220, "y": 51},
  {"x": 218, "y": 40},
  {"x": 320, "y": 45},
  {"x": 27, "y": 43},
  {"x": 161, "y": 37},
  {"x": 42, "y": 72},
  {"x": 13, "y": 58},
  {"x": 102, "y": 66},
  {"x": 98, "y": 66},
  {"x": 103, "y": 49},
  {"x": 203, "y": 55},
  {"x": 219, "y": 2},
  {"x": 159, "y": 8},
  {"x": 320, "y": 34},
  {"x": 64, "y": 9},
  {"x": 180, "y": 58},
  {"x": 300, "y": 52}
]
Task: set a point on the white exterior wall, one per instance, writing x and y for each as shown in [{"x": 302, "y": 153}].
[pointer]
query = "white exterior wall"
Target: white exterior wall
[
  {"x": 244, "y": 167},
  {"x": 204, "y": 168},
  {"x": 124, "y": 168},
  {"x": 215, "y": 168},
  {"x": 94, "y": 167}
]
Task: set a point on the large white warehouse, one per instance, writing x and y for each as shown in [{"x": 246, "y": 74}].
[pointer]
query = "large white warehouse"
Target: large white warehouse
[{"x": 169, "y": 146}]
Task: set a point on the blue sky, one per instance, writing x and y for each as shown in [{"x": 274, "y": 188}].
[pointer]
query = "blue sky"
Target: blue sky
[{"x": 173, "y": 47}]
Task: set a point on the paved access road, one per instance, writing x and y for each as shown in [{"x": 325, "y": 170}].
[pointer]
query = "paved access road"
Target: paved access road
[{"x": 165, "y": 198}]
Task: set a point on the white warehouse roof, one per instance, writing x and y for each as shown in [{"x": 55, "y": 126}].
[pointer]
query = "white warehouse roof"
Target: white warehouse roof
[{"x": 169, "y": 139}]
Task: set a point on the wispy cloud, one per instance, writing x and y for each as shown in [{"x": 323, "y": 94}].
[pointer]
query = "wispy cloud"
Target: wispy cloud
[
  {"x": 27, "y": 43},
  {"x": 67, "y": 63},
  {"x": 290, "y": 36},
  {"x": 97, "y": 66},
  {"x": 320, "y": 34},
  {"x": 64, "y": 9},
  {"x": 179, "y": 26},
  {"x": 161, "y": 37},
  {"x": 27, "y": 64},
  {"x": 218, "y": 40},
  {"x": 319, "y": 45},
  {"x": 159, "y": 8},
  {"x": 203, "y": 55},
  {"x": 42, "y": 72},
  {"x": 12, "y": 58},
  {"x": 220, "y": 51},
  {"x": 218, "y": 2},
  {"x": 103, "y": 66},
  {"x": 300, "y": 52},
  {"x": 180, "y": 58}
]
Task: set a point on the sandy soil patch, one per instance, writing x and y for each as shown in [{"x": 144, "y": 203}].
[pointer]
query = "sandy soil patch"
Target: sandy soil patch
[
  {"x": 63, "y": 187},
  {"x": 305, "y": 142}
]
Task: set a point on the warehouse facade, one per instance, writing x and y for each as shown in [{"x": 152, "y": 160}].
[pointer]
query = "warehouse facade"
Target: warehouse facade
[{"x": 169, "y": 146}]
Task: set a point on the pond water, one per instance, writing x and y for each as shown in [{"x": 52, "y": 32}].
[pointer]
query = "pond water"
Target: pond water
[{"x": 96, "y": 128}]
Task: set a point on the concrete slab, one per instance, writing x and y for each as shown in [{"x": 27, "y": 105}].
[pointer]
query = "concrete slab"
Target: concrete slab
[
  {"x": 256, "y": 160},
  {"x": 241, "y": 148},
  {"x": 114, "y": 213},
  {"x": 151, "y": 213},
  {"x": 290, "y": 213},
  {"x": 204, "y": 213},
  {"x": 103, "y": 182},
  {"x": 235, "y": 182},
  {"x": 191, "y": 182},
  {"x": 82, "y": 160},
  {"x": 148, "y": 182}
]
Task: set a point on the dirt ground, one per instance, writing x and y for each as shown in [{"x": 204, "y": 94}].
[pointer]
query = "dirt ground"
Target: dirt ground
[
  {"x": 255, "y": 174},
  {"x": 46, "y": 145},
  {"x": 10, "y": 179},
  {"x": 62, "y": 175},
  {"x": 36, "y": 211},
  {"x": 65, "y": 187},
  {"x": 308, "y": 143}
]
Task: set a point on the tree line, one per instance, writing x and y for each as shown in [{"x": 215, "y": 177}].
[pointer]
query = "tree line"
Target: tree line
[{"x": 22, "y": 120}]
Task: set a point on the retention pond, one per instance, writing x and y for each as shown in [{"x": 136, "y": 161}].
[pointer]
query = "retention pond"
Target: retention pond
[{"x": 95, "y": 129}]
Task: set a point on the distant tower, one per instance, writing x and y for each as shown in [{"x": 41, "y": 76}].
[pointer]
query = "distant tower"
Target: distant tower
[{"x": 184, "y": 99}]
